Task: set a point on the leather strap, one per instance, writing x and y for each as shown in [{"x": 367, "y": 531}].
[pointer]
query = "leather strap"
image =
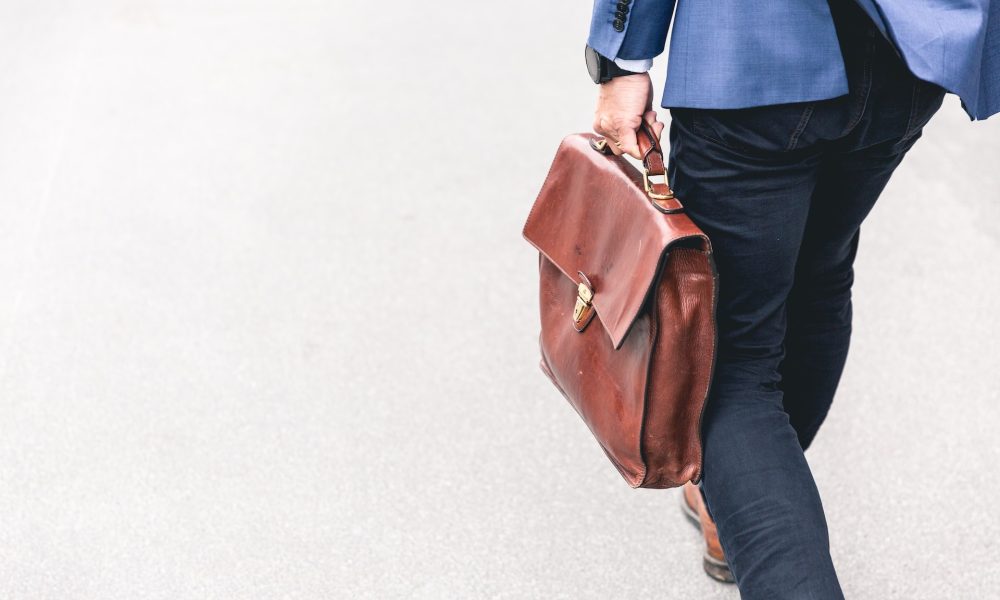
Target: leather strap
[
  {"x": 660, "y": 194},
  {"x": 649, "y": 148}
]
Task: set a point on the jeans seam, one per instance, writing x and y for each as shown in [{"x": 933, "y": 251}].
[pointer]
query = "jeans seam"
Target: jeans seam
[
  {"x": 914, "y": 105},
  {"x": 866, "y": 83},
  {"x": 803, "y": 122}
]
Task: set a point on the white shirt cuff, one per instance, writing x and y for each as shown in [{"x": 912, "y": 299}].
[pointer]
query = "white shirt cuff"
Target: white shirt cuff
[{"x": 640, "y": 65}]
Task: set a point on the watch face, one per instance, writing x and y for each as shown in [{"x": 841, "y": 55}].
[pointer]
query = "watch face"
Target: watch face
[{"x": 593, "y": 64}]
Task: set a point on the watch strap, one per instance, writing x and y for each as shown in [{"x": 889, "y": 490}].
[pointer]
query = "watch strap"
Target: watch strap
[{"x": 612, "y": 70}]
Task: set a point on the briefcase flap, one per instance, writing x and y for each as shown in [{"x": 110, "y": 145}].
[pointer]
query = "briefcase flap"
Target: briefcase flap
[{"x": 593, "y": 216}]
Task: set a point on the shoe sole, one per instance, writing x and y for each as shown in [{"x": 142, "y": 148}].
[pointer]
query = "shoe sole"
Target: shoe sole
[{"x": 717, "y": 570}]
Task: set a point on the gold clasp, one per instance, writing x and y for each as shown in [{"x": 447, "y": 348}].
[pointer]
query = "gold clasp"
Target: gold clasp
[
  {"x": 583, "y": 312},
  {"x": 649, "y": 187}
]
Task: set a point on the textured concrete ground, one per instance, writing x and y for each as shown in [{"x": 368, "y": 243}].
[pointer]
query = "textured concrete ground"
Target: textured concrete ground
[{"x": 268, "y": 327}]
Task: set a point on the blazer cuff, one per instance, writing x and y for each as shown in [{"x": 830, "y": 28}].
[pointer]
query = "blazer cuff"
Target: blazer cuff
[{"x": 630, "y": 29}]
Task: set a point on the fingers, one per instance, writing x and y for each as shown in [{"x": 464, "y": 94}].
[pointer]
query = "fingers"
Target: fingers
[
  {"x": 603, "y": 126},
  {"x": 650, "y": 118},
  {"x": 622, "y": 137},
  {"x": 627, "y": 142}
]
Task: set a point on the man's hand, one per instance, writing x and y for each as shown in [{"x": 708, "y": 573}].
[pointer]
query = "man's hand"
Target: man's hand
[{"x": 622, "y": 105}]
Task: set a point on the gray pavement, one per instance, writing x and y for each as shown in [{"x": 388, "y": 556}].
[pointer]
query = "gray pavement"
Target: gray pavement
[{"x": 268, "y": 327}]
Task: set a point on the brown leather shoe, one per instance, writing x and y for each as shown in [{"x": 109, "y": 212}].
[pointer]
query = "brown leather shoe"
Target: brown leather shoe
[{"x": 714, "y": 560}]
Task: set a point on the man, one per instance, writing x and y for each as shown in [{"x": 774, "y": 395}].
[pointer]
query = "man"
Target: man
[{"x": 788, "y": 118}]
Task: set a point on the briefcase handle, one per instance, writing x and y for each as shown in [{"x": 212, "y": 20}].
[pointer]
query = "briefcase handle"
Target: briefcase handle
[{"x": 660, "y": 194}]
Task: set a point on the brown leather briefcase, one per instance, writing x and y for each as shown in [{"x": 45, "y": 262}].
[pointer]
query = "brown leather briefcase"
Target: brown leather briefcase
[{"x": 628, "y": 290}]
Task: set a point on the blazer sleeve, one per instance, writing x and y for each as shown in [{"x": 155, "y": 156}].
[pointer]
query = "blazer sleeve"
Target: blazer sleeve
[{"x": 641, "y": 34}]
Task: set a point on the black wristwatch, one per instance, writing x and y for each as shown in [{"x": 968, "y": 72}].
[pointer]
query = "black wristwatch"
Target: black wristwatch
[{"x": 602, "y": 68}]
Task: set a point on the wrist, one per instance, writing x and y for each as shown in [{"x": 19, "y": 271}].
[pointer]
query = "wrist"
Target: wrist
[
  {"x": 603, "y": 69},
  {"x": 637, "y": 83}
]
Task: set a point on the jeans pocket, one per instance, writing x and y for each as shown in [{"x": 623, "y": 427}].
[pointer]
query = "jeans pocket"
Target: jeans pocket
[
  {"x": 926, "y": 100},
  {"x": 760, "y": 129}
]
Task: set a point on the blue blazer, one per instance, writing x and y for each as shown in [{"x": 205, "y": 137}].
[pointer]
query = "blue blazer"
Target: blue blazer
[{"x": 742, "y": 53}]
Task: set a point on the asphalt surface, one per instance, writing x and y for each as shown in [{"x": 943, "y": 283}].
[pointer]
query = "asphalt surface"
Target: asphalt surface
[{"x": 268, "y": 327}]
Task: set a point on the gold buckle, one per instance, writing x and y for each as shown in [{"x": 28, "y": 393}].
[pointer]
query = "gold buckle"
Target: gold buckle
[
  {"x": 583, "y": 312},
  {"x": 649, "y": 187}
]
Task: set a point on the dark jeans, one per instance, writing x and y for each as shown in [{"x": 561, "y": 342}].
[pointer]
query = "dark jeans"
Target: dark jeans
[{"x": 782, "y": 191}]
